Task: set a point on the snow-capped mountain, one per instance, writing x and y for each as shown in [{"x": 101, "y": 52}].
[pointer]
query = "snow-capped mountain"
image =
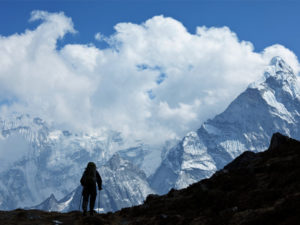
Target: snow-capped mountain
[
  {"x": 124, "y": 185},
  {"x": 265, "y": 107},
  {"x": 51, "y": 204}
]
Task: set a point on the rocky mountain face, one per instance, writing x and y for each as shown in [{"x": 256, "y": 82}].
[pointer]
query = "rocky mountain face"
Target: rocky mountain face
[
  {"x": 267, "y": 106},
  {"x": 255, "y": 188},
  {"x": 124, "y": 185}
]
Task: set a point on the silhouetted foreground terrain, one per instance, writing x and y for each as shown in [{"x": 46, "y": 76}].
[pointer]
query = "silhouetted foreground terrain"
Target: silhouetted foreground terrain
[{"x": 262, "y": 188}]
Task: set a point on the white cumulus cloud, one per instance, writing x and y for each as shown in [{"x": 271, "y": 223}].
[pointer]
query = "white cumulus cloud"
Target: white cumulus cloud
[{"x": 155, "y": 81}]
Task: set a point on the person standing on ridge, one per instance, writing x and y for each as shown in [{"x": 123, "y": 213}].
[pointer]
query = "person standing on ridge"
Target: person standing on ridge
[{"x": 88, "y": 180}]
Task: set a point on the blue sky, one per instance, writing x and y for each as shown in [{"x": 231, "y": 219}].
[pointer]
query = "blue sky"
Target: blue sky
[
  {"x": 163, "y": 66},
  {"x": 263, "y": 22}
]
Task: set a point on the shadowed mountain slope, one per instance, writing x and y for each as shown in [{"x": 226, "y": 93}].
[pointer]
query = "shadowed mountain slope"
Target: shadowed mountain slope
[{"x": 255, "y": 188}]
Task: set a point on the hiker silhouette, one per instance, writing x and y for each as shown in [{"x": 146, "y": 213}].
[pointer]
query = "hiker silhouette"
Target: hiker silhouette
[{"x": 89, "y": 192}]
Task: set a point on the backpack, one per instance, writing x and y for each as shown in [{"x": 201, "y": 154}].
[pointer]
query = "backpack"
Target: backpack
[{"x": 89, "y": 176}]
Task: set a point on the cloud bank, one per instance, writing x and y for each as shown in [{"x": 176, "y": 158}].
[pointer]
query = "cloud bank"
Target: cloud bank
[{"x": 155, "y": 81}]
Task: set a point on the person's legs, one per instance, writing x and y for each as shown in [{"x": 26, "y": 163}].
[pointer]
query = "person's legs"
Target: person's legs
[
  {"x": 92, "y": 202},
  {"x": 85, "y": 202}
]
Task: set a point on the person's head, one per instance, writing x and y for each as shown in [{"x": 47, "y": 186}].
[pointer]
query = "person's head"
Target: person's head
[{"x": 91, "y": 165}]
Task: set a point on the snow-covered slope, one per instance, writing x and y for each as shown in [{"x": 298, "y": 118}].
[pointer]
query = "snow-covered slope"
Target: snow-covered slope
[
  {"x": 265, "y": 107},
  {"x": 124, "y": 185}
]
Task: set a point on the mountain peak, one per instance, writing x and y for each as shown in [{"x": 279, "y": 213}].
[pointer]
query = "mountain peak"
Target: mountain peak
[
  {"x": 276, "y": 60},
  {"x": 280, "y": 76},
  {"x": 279, "y": 69}
]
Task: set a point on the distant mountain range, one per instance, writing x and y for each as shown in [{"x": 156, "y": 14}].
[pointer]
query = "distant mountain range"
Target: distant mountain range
[
  {"x": 53, "y": 160},
  {"x": 42, "y": 160},
  {"x": 124, "y": 185}
]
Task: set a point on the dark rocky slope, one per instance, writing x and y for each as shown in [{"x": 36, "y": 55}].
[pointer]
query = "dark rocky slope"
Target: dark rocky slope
[{"x": 256, "y": 188}]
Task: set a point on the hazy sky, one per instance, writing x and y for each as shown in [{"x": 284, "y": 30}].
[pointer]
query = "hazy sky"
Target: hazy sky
[{"x": 150, "y": 69}]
